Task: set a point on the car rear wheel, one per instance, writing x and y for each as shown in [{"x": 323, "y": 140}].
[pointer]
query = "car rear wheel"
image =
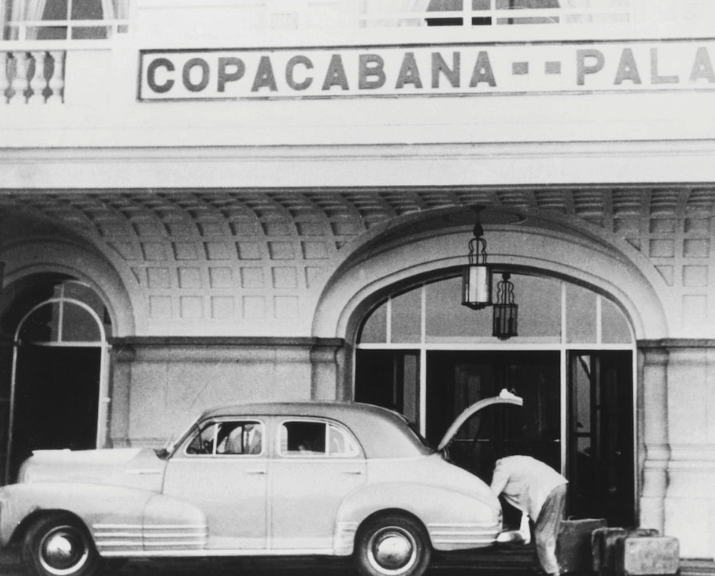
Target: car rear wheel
[
  {"x": 59, "y": 545},
  {"x": 392, "y": 545}
]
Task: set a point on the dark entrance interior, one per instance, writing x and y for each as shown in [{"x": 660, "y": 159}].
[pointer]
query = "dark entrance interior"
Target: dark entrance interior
[
  {"x": 459, "y": 379},
  {"x": 599, "y": 430},
  {"x": 56, "y": 404}
]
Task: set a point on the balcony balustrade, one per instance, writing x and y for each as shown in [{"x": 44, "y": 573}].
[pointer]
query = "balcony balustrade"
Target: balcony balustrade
[{"x": 32, "y": 77}]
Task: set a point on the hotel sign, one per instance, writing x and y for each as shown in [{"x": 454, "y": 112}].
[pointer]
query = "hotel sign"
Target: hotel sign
[{"x": 458, "y": 70}]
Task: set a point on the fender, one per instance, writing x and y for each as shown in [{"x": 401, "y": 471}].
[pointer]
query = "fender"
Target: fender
[
  {"x": 454, "y": 520},
  {"x": 115, "y": 516}
]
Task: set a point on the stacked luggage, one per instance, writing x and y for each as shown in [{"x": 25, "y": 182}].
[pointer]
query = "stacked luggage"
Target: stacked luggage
[
  {"x": 586, "y": 546},
  {"x": 634, "y": 552}
]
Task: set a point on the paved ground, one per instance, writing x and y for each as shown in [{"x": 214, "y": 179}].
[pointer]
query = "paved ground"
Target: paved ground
[
  {"x": 504, "y": 562},
  {"x": 466, "y": 564}
]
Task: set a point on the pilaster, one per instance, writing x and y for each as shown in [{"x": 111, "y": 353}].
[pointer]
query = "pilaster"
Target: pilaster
[{"x": 655, "y": 436}]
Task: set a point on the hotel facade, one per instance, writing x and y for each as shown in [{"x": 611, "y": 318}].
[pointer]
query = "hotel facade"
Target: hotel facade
[{"x": 207, "y": 203}]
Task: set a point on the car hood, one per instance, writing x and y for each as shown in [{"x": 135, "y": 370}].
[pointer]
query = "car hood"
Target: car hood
[
  {"x": 505, "y": 397},
  {"x": 128, "y": 467}
]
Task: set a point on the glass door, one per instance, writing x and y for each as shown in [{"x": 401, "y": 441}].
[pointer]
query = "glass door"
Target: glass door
[
  {"x": 600, "y": 436},
  {"x": 389, "y": 378}
]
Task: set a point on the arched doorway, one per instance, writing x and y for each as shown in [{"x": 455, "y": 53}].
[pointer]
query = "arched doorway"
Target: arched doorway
[
  {"x": 422, "y": 353},
  {"x": 58, "y": 390}
]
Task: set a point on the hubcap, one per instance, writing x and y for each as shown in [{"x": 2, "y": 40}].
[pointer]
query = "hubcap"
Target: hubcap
[
  {"x": 63, "y": 551},
  {"x": 392, "y": 550}
]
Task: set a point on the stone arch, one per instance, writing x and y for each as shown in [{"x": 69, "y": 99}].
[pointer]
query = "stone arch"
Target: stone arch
[
  {"x": 77, "y": 260},
  {"x": 416, "y": 249}
]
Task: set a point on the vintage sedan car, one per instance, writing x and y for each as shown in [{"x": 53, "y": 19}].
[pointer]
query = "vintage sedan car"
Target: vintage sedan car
[{"x": 310, "y": 478}]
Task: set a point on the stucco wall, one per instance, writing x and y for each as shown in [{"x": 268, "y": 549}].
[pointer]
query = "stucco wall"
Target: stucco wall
[{"x": 159, "y": 385}]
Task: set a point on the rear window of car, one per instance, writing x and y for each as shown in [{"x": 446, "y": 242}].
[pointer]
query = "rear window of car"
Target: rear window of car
[{"x": 310, "y": 438}]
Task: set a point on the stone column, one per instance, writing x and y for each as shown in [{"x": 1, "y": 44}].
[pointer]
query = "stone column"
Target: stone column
[
  {"x": 122, "y": 357},
  {"x": 690, "y": 502},
  {"x": 324, "y": 378},
  {"x": 655, "y": 435}
]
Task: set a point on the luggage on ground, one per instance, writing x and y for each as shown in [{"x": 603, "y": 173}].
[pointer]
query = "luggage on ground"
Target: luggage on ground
[
  {"x": 634, "y": 552},
  {"x": 573, "y": 547}
]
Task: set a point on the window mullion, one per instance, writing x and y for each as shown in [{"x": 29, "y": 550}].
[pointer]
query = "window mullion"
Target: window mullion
[
  {"x": 423, "y": 315},
  {"x": 388, "y": 321},
  {"x": 60, "y": 320},
  {"x": 70, "y": 28}
]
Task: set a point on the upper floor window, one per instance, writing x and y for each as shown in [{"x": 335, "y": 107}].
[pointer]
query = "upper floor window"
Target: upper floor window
[
  {"x": 494, "y": 12},
  {"x": 63, "y": 19},
  {"x": 501, "y": 12}
]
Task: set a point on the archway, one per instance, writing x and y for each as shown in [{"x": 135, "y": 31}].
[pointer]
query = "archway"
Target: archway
[
  {"x": 433, "y": 247},
  {"x": 58, "y": 383},
  {"x": 423, "y": 354}
]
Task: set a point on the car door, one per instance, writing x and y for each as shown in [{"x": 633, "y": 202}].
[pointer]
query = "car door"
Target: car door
[
  {"x": 222, "y": 469},
  {"x": 316, "y": 465}
]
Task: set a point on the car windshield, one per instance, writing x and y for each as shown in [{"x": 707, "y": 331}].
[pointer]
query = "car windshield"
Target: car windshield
[{"x": 176, "y": 437}]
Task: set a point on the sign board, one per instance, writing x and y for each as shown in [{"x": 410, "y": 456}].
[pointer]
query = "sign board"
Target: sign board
[{"x": 444, "y": 70}]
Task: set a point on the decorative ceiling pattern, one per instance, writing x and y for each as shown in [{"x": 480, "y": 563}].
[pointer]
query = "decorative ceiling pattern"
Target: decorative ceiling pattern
[{"x": 263, "y": 255}]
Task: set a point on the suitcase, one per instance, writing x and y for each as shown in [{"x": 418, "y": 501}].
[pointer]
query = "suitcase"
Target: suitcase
[
  {"x": 604, "y": 542},
  {"x": 573, "y": 546},
  {"x": 647, "y": 555}
]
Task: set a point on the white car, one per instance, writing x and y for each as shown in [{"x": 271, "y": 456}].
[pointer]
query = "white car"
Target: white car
[{"x": 309, "y": 478}]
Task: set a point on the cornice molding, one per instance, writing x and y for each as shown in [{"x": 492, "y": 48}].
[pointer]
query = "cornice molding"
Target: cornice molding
[{"x": 560, "y": 164}]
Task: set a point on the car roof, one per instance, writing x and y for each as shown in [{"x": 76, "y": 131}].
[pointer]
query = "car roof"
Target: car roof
[{"x": 381, "y": 432}]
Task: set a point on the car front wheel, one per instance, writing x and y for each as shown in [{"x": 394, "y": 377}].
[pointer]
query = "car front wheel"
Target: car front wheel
[
  {"x": 392, "y": 545},
  {"x": 59, "y": 545}
]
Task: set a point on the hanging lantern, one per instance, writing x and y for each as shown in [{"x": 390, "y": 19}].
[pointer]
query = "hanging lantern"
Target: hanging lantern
[
  {"x": 477, "y": 277},
  {"x": 506, "y": 313}
]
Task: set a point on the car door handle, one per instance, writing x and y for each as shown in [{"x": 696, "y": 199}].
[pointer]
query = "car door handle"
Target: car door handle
[
  {"x": 355, "y": 472},
  {"x": 258, "y": 471}
]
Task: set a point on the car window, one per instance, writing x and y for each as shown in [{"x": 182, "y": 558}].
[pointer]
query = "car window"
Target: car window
[
  {"x": 341, "y": 443},
  {"x": 231, "y": 438},
  {"x": 312, "y": 438}
]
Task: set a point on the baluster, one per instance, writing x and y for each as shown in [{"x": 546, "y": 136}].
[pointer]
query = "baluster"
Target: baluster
[
  {"x": 38, "y": 82},
  {"x": 4, "y": 82},
  {"x": 57, "y": 80},
  {"x": 19, "y": 83}
]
